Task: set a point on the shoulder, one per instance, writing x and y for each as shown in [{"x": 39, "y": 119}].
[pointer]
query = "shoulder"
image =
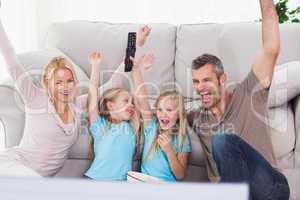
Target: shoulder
[
  {"x": 251, "y": 84},
  {"x": 98, "y": 124},
  {"x": 152, "y": 126},
  {"x": 195, "y": 115}
]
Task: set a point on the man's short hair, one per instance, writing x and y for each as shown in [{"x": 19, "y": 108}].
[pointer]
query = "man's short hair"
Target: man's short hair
[{"x": 208, "y": 59}]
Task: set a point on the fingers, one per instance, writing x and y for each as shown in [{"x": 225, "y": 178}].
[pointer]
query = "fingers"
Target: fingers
[
  {"x": 146, "y": 30},
  {"x": 164, "y": 139},
  {"x": 95, "y": 58}
]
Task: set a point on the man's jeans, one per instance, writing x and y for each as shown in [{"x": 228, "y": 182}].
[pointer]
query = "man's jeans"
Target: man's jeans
[{"x": 237, "y": 161}]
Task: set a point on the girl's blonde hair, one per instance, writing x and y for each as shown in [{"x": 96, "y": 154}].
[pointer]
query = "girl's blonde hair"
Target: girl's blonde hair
[
  {"x": 107, "y": 96},
  {"x": 55, "y": 64},
  {"x": 181, "y": 124}
]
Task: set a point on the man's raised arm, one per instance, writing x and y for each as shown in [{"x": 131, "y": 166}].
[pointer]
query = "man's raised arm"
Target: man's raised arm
[{"x": 265, "y": 61}]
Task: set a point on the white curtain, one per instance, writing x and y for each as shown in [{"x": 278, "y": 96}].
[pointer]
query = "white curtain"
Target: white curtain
[{"x": 27, "y": 21}]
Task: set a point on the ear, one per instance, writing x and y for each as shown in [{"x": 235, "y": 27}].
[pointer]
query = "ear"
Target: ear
[
  {"x": 109, "y": 105},
  {"x": 45, "y": 83},
  {"x": 223, "y": 79}
]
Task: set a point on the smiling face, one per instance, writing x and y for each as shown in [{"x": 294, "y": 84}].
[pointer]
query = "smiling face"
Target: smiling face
[
  {"x": 62, "y": 85},
  {"x": 121, "y": 107},
  {"x": 208, "y": 85},
  {"x": 167, "y": 113}
]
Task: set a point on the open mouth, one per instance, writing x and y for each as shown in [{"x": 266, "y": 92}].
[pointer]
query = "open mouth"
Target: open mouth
[
  {"x": 206, "y": 97},
  {"x": 65, "y": 94},
  {"x": 164, "y": 122}
]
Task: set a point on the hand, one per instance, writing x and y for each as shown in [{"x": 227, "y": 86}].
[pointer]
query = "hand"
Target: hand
[
  {"x": 142, "y": 35},
  {"x": 143, "y": 63},
  {"x": 164, "y": 141},
  {"x": 95, "y": 58}
]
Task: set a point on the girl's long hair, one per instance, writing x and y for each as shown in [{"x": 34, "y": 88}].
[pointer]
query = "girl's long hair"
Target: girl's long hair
[{"x": 180, "y": 126}]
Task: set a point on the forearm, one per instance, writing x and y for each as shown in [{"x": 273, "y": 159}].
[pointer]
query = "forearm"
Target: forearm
[
  {"x": 266, "y": 58},
  {"x": 176, "y": 166},
  {"x": 22, "y": 80},
  {"x": 141, "y": 94},
  {"x": 14, "y": 67},
  {"x": 93, "y": 93},
  {"x": 270, "y": 27}
]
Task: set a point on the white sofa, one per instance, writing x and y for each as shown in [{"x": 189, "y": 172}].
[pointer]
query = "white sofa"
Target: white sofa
[{"x": 174, "y": 47}]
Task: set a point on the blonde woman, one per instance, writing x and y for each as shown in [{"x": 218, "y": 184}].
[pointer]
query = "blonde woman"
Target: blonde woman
[
  {"x": 166, "y": 145},
  {"x": 52, "y": 115}
]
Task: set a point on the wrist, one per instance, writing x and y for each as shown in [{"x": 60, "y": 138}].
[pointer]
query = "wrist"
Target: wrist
[
  {"x": 170, "y": 152},
  {"x": 140, "y": 42}
]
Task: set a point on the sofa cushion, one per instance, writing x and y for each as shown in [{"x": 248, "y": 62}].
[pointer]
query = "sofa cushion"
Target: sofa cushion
[
  {"x": 297, "y": 126},
  {"x": 285, "y": 85},
  {"x": 111, "y": 40},
  {"x": 282, "y": 125},
  {"x": 293, "y": 177}
]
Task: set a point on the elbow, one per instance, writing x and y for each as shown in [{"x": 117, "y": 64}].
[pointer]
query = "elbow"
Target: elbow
[{"x": 274, "y": 49}]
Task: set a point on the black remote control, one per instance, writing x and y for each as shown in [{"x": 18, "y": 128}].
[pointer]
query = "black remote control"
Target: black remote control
[{"x": 130, "y": 51}]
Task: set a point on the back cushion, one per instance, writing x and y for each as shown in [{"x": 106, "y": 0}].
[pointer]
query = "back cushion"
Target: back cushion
[
  {"x": 78, "y": 39},
  {"x": 282, "y": 124}
]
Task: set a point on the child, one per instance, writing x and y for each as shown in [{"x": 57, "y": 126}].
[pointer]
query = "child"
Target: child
[
  {"x": 166, "y": 145},
  {"x": 114, "y": 125}
]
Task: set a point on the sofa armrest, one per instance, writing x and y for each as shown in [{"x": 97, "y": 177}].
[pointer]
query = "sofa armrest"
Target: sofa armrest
[
  {"x": 11, "y": 115},
  {"x": 296, "y": 104}
]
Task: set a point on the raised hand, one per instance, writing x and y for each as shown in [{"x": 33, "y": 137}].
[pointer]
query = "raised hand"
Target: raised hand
[
  {"x": 95, "y": 58},
  {"x": 142, "y": 35},
  {"x": 164, "y": 141},
  {"x": 143, "y": 63}
]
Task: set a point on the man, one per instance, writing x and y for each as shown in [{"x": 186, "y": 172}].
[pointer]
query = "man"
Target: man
[{"x": 232, "y": 126}]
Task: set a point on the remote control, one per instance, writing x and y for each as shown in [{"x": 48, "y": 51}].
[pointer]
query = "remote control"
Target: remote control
[{"x": 130, "y": 51}]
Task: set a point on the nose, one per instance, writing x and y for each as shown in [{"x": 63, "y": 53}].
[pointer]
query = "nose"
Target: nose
[{"x": 201, "y": 86}]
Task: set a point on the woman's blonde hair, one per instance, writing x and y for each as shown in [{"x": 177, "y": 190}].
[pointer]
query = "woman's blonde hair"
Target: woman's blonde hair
[
  {"x": 181, "y": 124},
  {"x": 55, "y": 64}
]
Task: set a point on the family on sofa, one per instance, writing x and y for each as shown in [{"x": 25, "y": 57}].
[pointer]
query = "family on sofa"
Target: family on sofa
[{"x": 229, "y": 124}]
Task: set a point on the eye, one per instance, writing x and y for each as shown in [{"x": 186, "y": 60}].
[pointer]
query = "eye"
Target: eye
[
  {"x": 206, "y": 80},
  {"x": 70, "y": 81},
  {"x": 195, "y": 82},
  {"x": 58, "y": 82}
]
